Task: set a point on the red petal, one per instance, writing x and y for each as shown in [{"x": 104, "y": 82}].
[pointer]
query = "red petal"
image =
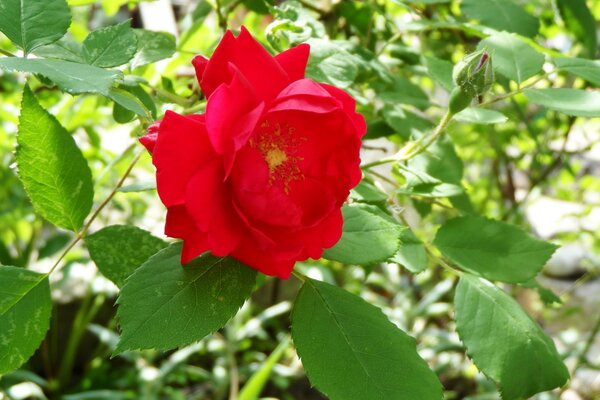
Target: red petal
[
  {"x": 263, "y": 262},
  {"x": 294, "y": 60},
  {"x": 260, "y": 68},
  {"x": 151, "y": 136},
  {"x": 349, "y": 106},
  {"x": 199, "y": 63},
  {"x": 208, "y": 200},
  {"x": 193, "y": 247},
  {"x": 181, "y": 149}
]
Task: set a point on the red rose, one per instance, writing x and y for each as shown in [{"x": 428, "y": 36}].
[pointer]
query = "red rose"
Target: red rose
[{"x": 263, "y": 174}]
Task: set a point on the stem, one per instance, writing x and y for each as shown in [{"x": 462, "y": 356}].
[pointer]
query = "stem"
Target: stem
[
  {"x": 588, "y": 345},
  {"x": 221, "y": 19},
  {"x": 415, "y": 148},
  {"x": 7, "y": 53},
  {"x": 300, "y": 276},
  {"x": 515, "y": 92}
]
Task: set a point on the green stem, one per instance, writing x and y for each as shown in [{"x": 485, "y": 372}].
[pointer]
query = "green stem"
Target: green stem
[
  {"x": 415, "y": 148},
  {"x": 7, "y": 53},
  {"x": 300, "y": 276}
]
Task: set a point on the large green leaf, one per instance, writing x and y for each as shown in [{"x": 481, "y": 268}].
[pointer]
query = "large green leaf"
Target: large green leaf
[
  {"x": 118, "y": 250},
  {"x": 111, "y": 46},
  {"x": 69, "y": 76},
  {"x": 164, "y": 305},
  {"x": 33, "y": 23},
  {"x": 586, "y": 69},
  {"x": 152, "y": 47},
  {"x": 63, "y": 49},
  {"x": 502, "y": 15},
  {"x": 504, "y": 342},
  {"x": 512, "y": 57},
  {"x": 441, "y": 71},
  {"x": 25, "y": 309},
  {"x": 493, "y": 249},
  {"x": 350, "y": 350},
  {"x": 369, "y": 236},
  {"x": 579, "y": 103},
  {"x": 579, "y": 20},
  {"x": 54, "y": 173}
]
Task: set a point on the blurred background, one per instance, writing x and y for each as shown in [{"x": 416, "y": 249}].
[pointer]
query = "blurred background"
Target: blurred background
[{"x": 537, "y": 169}]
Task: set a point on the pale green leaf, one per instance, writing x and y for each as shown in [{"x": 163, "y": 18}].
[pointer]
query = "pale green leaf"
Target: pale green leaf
[
  {"x": 502, "y": 15},
  {"x": 493, "y": 249},
  {"x": 152, "y": 46},
  {"x": 579, "y": 103},
  {"x": 366, "y": 192},
  {"x": 585, "y": 69},
  {"x": 411, "y": 254},
  {"x": 53, "y": 170},
  {"x": 164, "y": 305},
  {"x": 513, "y": 58},
  {"x": 118, "y": 250},
  {"x": 63, "y": 49},
  {"x": 25, "y": 309},
  {"x": 350, "y": 350},
  {"x": 504, "y": 342},
  {"x": 369, "y": 236},
  {"x": 69, "y": 76},
  {"x": 110, "y": 46},
  {"x": 440, "y": 71},
  {"x": 478, "y": 115},
  {"x": 33, "y": 23}
]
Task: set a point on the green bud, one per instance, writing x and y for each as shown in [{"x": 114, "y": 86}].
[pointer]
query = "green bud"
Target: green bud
[
  {"x": 459, "y": 100},
  {"x": 474, "y": 74}
]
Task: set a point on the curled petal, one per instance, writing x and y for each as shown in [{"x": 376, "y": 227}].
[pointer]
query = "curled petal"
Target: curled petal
[{"x": 294, "y": 61}]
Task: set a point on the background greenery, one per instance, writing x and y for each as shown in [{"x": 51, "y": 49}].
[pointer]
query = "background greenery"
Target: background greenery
[{"x": 522, "y": 154}]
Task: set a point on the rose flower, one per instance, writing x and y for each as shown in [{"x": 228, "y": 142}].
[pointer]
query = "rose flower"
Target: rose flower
[{"x": 262, "y": 175}]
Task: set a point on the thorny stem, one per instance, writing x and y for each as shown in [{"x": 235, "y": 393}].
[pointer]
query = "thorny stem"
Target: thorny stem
[{"x": 412, "y": 149}]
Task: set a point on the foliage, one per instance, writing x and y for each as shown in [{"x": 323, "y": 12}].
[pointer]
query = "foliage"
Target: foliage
[{"x": 437, "y": 251}]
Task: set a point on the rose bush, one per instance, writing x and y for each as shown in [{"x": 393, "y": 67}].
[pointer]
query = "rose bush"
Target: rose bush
[{"x": 262, "y": 175}]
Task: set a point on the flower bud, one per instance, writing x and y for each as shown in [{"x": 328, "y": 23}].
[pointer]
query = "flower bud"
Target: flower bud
[
  {"x": 459, "y": 100},
  {"x": 474, "y": 74}
]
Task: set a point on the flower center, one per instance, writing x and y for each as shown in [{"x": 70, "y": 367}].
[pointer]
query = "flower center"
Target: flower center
[{"x": 279, "y": 147}]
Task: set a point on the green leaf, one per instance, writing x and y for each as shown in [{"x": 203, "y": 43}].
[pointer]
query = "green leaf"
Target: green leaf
[
  {"x": 478, "y": 115},
  {"x": 63, "y": 49},
  {"x": 440, "y": 71},
  {"x": 118, "y": 250},
  {"x": 33, "y": 23},
  {"x": 493, "y": 249},
  {"x": 54, "y": 173},
  {"x": 579, "y": 20},
  {"x": 152, "y": 47},
  {"x": 369, "y": 236},
  {"x": 405, "y": 123},
  {"x": 25, "y": 309},
  {"x": 585, "y": 69},
  {"x": 502, "y": 15},
  {"x": 350, "y": 350},
  {"x": 513, "y": 58},
  {"x": 164, "y": 305},
  {"x": 404, "y": 91},
  {"x": 129, "y": 102},
  {"x": 111, "y": 46},
  {"x": 435, "y": 173},
  {"x": 411, "y": 254},
  {"x": 579, "y": 103},
  {"x": 504, "y": 342},
  {"x": 69, "y": 76},
  {"x": 366, "y": 192}
]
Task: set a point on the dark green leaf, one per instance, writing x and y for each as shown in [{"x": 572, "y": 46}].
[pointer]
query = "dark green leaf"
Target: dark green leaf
[
  {"x": 111, "y": 46},
  {"x": 579, "y": 103},
  {"x": 350, "y": 350},
  {"x": 164, "y": 305},
  {"x": 368, "y": 193},
  {"x": 119, "y": 249},
  {"x": 152, "y": 46},
  {"x": 33, "y": 23},
  {"x": 502, "y": 15},
  {"x": 25, "y": 309},
  {"x": 493, "y": 249},
  {"x": 54, "y": 173},
  {"x": 369, "y": 236},
  {"x": 69, "y": 76},
  {"x": 513, "y": 58},
  {"x": 129, "y": 102},
  {"x": 579, "y": 20},
  {"x": 504, "y": 342}
]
